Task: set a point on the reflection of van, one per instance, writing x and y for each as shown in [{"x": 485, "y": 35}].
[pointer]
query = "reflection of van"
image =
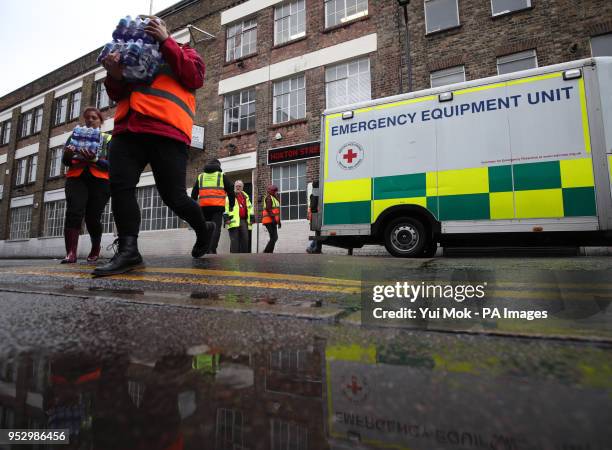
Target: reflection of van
[
  {"x": 377, "y": 398},
  {"x": 521, "y": 158}
]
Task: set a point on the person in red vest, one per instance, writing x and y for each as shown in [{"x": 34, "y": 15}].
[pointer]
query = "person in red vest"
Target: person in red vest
[
  {"x": 271, "y": 217},
  {"x": 153, "y": 124},
  {"x": 87, "y": 190}
]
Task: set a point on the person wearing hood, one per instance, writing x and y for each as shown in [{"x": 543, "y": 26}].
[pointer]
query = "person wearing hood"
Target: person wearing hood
[
  {"x": 210, "y": 190},
  {"x": 271, "y": 216}
]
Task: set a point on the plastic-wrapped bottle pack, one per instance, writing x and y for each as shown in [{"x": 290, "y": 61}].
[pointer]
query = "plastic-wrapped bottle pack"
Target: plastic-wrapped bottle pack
[
  {"x": 140, "y": 55},
  {"x": 85, "y": 138}
]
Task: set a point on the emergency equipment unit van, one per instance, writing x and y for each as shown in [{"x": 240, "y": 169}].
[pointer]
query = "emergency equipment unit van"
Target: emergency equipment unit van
[{"x": 521, "y": 159}]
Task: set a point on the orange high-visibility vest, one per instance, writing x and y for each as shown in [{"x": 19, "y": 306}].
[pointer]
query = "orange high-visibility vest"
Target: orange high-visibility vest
[
  {"x": 211, "y": 189},
  {"x": 275, "y": 216},
  {"x": 164, "y": 99},
  {"x": 78, "y": 165}
]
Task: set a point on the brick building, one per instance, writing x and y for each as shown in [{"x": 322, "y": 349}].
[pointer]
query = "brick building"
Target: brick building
[{"x": 272, "y": 68}]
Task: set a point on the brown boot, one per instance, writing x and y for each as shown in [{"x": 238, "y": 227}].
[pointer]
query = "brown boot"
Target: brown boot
[{"x": 71, "y": 239}]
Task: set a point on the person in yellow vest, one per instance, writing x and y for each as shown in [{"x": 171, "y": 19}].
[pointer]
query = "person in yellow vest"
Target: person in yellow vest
[
  {"x": 271, "y": 216},
  {"x": 87, "y": 190},
  {"x": 153, "y": 124},
  {"x": 239, "y": 219},
  {"x": 211, "y": 190}
]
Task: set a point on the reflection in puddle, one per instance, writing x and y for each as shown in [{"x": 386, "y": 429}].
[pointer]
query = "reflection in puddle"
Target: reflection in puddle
[{"x": 323, "y": 394}]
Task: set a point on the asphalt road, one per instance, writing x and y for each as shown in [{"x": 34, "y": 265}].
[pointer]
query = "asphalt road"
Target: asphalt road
[{"x": 266, "y": 351}]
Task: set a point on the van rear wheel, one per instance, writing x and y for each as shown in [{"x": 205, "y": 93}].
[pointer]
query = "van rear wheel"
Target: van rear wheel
[{"x": 405, "y": 237}]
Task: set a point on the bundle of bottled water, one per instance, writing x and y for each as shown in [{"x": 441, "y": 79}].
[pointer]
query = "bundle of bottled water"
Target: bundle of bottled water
[
  {"x": 86, "y": 138},
  {"x": 140, "y": 55}
]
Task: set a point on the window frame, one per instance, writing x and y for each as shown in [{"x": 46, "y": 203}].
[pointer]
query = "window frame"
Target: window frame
[
  {"x": 535, "y": 55},
  {"x": 27, "y": 172},
  {"x": 345, "y": 19},
  {"x": 510, "y": 11},
  {"x": 59, "y": 150},
  {"x": 241, "y": 103},
  {"x": 595, "y": 37},
  {"x": 150, "y": 213},
  {"x": 275, "y": 98},
  {"x": 25, "y": 231},
  {"x": 31, "y": 115},
  {"x": 292, "y": 37},
  {"x": 68, "y": 116},
  {"x": 99, "y": 88},
  {"x": 428, "y": 31},
  {"x": 233, "y": 57},
  {"x": 347, "y": 63},
  {"x": 5, "y": 138},
  {"x": 278, "y": 181},
  {"x": 431, "y": 75},
  {"x": 54, "y": 224}
]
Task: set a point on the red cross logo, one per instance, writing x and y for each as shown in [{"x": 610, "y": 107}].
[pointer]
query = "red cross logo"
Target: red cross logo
[
  {"x": 354, "y": 386},
  {"x": 349, "y": 156}
]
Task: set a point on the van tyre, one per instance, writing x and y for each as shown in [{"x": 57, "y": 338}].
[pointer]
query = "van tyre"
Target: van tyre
[{"x": 406, "y": 237}]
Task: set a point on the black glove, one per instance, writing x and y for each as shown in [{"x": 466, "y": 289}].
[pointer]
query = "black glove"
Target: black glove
[
  {"x": 279, "y": 225},
  {"x": 252, "y": 218}
]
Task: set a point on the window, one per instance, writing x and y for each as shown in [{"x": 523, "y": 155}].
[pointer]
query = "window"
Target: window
[
  {"x": 54, "y": 218},
  {"x": 348, "y": 83},
  {"x": 154, "y": 214},
  {"x": 447, "y": 76},
  {"x": 108, "y": 222},
  {"x": 340, "y": 11},
  {"x": 5, "y": 132},
  {"x": 136, "y": 391},
  {"x": 40, "y": 374},
  {"x": 229, "y": 430},
  {"x": 288, "y": 435},
  {"x": 288, "y": 360},
  {"x": 21, "y": 219},
  {"x": 289, "y": 99},
  {"x": 601, "y": 45},
  {"x": 67, "y": 108},
  {"x": 61, "y": 110},
  {"x": 441, "y": 15},
  {"x": 239, "y": 111},
  {"x": 291, "y": 182},
  {"x": 289, "y": 21},
  {"x": 499, "y": 7},
  {"x": 241, "y": 39},
  {"x": 55, "y": 162},
  {"x": 75, "y": 105},
  {"x": 26, "y": 170},
  {"x": 517, "y": 61},
  {"x": 30, "y": 122},
  {"x": 102, "y": 98}
]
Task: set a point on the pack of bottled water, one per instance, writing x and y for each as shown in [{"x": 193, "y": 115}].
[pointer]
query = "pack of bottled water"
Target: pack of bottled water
[
  {"x": 140, "y": 55},
  {"x": 86, "y": 138}
]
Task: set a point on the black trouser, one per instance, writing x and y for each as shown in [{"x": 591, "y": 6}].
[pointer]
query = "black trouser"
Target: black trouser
[
  {"x": 273, "y": 237},
  {"x": 86, "y": 197},
  {"x": 129, "y": 155},
  {"x": 214, "y": 214},
  {"x": 239, "y": 237}
]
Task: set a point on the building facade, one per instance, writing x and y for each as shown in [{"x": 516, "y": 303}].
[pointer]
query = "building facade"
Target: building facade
[{"x": 272, "y": 68}]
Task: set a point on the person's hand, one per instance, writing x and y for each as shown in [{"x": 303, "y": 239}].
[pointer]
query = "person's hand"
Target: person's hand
[
  {"x": 252, "y": 218},
  {"x": 112, "y": 64},
  {"x": 279, "y": 225},
  {"x": 69, "y": 151},
  {"x": 157, "y": 30},
  {"x": 88, "y": 155}
]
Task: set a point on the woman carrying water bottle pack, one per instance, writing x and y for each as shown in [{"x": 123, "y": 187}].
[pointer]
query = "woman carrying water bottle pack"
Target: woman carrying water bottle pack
[{"x": 87, "y": 187}]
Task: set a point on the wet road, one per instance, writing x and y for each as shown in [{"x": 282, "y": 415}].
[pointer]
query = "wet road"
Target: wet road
[{"x": 196, "y": 355}]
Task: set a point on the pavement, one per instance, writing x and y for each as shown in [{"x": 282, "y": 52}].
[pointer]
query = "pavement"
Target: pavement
[{"x": 266, "y": 351}]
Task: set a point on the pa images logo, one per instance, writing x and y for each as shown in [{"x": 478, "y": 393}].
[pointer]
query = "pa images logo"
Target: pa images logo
[
  {"x": 350, "y": 156},
  {"x": 355, "y": 388}
]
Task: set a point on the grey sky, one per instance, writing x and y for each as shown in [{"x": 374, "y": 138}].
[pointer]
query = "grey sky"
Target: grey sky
[{"x": 39, "y": 36}]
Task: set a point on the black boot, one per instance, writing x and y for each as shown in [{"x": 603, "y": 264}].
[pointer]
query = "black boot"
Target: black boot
[
  {"x": 127, "y": 258},
  {"x": 203, "y": 238}
]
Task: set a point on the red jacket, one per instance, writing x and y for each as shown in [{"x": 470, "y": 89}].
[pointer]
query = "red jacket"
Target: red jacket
[{"x": 188, "y": 68}]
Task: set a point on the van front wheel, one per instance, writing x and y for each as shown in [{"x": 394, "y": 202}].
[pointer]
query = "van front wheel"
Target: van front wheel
[{"x": 405, "y": 237}]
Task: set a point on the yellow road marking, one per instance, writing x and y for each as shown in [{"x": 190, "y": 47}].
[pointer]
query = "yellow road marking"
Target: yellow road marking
[{"x": 203, "y": 281}]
